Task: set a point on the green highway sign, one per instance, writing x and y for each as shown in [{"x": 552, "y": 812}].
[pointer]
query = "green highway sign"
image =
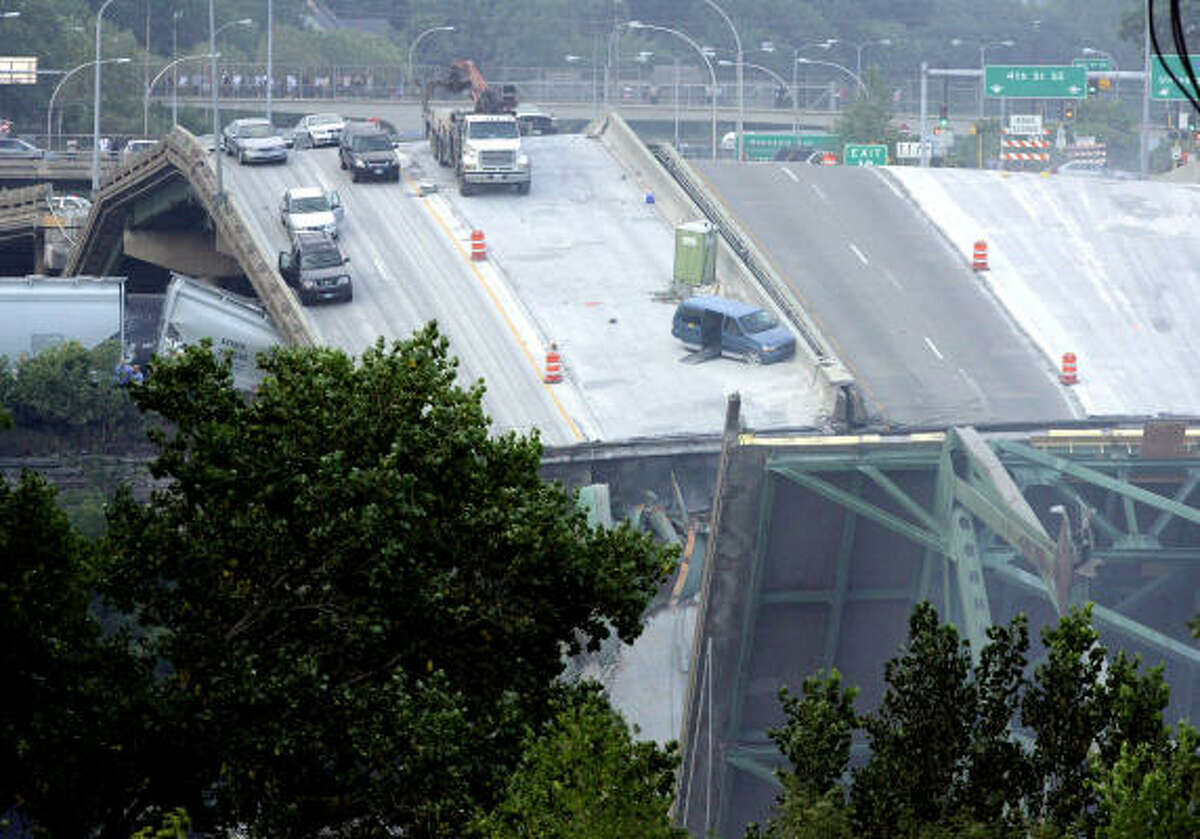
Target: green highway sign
[
  {"x": 1041, "y": 81},
  {"x": 1161, "y": 86},
  {"x": 1102, "y": 65},
  {"x": 864, "y": 154}
]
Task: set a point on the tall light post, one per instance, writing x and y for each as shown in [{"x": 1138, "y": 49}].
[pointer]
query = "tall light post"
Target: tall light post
[
  {"x": 270, "y": 54},
  {"x": 62, "y": 81},
  {"x": 858, "y": 51},
  {"x": 412, "y": 49},
  {"x": 96, "y": 102},
  {"x": 150, "y": 86},
  {"x": 578, "y": 59},
  {"x": 213, "y": 31},
  {"x": 1143, "y": 135},
  {"x": 712, "y": 73},
  {"x": 769, "y": 47},
  {"x": 984, "y": 46},
  {"x": 175, "y": 16},
  {"x": 780, "y": 79},
  {"x": 844, "y": 69},
  {"x": 741, "y": 90}
]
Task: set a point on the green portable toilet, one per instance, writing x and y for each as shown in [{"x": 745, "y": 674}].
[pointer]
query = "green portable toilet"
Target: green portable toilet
[{"x": 695, "y": 253}]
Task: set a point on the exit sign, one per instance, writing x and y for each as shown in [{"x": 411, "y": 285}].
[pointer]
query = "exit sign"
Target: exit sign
[
  {"x": 864, "y": 154},
  {"x": 1161, "y": 86}
]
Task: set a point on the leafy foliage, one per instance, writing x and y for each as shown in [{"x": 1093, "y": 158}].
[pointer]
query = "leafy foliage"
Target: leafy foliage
[
  {"x": 72, "y": 728},
  {"x": 583, "y": 776},
  {"x": 358, "y": 598},
  {"x": 69, "y": 388},
  {"x": 945, "y": 760}
]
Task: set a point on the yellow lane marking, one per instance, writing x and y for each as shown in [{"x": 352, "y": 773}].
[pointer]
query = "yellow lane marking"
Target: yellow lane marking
[{"x": 499, "y": 308}]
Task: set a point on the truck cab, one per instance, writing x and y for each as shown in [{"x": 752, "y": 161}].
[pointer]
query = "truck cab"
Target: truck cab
[{"x": 492, "y": 153}]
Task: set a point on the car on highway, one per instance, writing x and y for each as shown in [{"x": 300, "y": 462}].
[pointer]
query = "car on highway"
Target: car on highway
[
  {"x": 14, "y": 148},
  {"x": 310, "y": 208},
  {"x": 316, "y": 268},
  {"x": 253, "y": 141},
  {"x": 367, "y": 152},
  {"x": 533, "y": 121},
  {"x": 70, "y": 204},
  {"x": 732, "y": 328},
  {"x": 134, "y": 147},
  {"x": 316, "y": 130}
]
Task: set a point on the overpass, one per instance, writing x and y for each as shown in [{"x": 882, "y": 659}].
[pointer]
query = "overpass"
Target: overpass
[{"x": 162, "y": 207}]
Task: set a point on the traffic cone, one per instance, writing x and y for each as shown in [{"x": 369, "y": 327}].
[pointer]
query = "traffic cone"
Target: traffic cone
[
  {"x": 554, "y": 370},
  {"x": 979, "y": 262},
  {"x": 478, "y": 246},
  {"x": 1070, "y": 372}
]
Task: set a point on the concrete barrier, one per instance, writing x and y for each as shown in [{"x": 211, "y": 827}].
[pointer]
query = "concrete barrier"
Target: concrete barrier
[{"x": 745, "y": 273}]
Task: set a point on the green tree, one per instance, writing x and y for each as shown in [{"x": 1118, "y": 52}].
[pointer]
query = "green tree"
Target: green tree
[
  {"x": 815, "y": 739},
  {"x": 69, "y": 388},
  {"x": 1073, "y": 705},
  {"x": 1152, "y": 793},
  {"x": 868, "y": 119},
  {"x": 583, "y": 775},
  {"x": 73, "y": 739},
  {"x": 358, "y": 598},
  {"x": 921, "y": 732}
]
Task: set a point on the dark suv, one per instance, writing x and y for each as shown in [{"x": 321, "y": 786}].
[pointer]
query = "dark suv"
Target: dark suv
[
  {"x": 367, "y": 152},
  {"x": 316, "y": 268}
]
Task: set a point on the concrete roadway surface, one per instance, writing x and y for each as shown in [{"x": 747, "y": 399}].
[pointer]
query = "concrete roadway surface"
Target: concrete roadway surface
[
  {"x": 926, "y": 341},
  {"x": 592, "y": 263},
  {"x": 1106, "y": 269},
  {"x": 409, "y": 267}
]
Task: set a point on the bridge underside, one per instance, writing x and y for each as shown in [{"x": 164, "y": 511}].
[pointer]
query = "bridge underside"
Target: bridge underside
[{"x": 823, "y": 545}]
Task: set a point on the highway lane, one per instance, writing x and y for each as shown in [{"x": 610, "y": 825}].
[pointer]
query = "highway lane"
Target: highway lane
[
  {"x": 928, "y": 344},
  {"x": 591, "y": 262},
  {"x": 1102, "y": 268},
  {"x": 408, "y": 267}
]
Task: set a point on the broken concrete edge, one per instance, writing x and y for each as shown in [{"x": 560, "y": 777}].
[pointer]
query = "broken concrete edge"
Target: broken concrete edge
[
  {"x": 839, "y": 393},
  {"x": 181, "y": 150}
]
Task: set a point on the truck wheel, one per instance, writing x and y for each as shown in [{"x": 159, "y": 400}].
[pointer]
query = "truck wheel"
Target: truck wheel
[
  {"x": 523, "y": 188},
  {"x": 465, "y": 188},
  {"x": 341, "y": 161},
  {"x": 354, "y": 177}
]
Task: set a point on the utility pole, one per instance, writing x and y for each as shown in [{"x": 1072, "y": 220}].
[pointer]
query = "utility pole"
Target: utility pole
[
  {"x": 1143, "y": 138},
  {"x": 270, "y": 54}
]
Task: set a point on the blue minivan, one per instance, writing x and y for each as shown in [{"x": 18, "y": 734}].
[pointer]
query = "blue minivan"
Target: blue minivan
[{"x": 730, "y": 327}]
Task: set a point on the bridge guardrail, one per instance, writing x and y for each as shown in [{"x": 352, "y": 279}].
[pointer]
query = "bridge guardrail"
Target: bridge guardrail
[{"x": 21, "y": 208}]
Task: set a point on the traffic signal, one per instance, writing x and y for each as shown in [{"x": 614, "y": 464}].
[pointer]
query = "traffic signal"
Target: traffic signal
[
  {"x": 944, "y": 116},
  {"x": 1069, "y": 112}
]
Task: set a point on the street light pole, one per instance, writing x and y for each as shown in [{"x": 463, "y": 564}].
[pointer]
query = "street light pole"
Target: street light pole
[
  {"x": 62, "y": 81},
  {"x": 417, "y": 40},
  {"x": 741, "y": 90},
  {"x": 175, "y": 16},
  {"x": 858, "y": 51},
  {"x": 712, "y": 73},
  {"x": 270, "y": 54},
  {"x": 844, "y": 69},
  {"x": 216, "y": 120},
  {"x": 1143, "y": 139},
  {"x": 96, "y": 103},
  {"x": 159, "y": 75}
]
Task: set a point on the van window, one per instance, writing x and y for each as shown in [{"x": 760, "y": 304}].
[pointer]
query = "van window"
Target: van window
[{"x": 758, "y": 321}]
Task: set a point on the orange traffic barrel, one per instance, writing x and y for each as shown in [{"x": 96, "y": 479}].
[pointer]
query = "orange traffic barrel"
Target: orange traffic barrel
[
  {"x": 1070, "y": 369},
  {"x": 554, "y": 369},
  {"x": 478, "y": 246},
  {"x": 979, "y": 261}
]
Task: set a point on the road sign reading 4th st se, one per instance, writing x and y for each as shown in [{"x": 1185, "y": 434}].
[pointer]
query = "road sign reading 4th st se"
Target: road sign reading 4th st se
[
  {"x": 1042, "y": 81},
  {"x": 864, "y": 154},
  {"x": 1161, "y": 86}
]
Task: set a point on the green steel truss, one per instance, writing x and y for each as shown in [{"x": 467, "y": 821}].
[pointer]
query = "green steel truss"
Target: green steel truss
[{"x": 1114, "y": 514}]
